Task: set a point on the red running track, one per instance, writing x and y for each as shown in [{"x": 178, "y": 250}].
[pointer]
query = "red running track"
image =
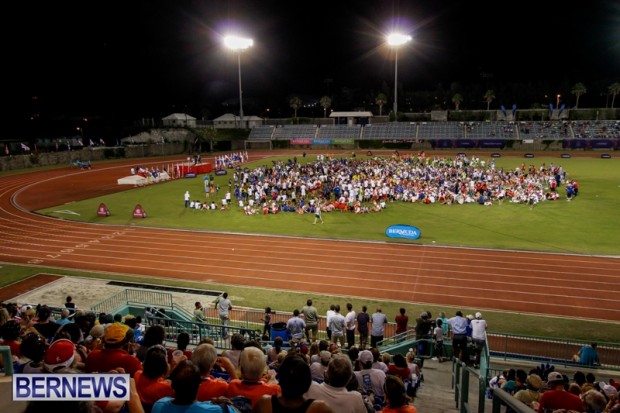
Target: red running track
[{"x": 524, "y": 282}]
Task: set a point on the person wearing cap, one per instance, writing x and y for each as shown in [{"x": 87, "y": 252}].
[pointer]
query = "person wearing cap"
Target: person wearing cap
[
  {"x": 556, "y": 397},
  {"x": 334, "y": 391},
  {"x": 116, "y": 339},
  {"x": 318, "y": 368},
  {"x": 531, "y": 393},
  {"x": 370, "y": 379},
  {"x": 478, "y": 336},
  {"x": 59, "y": 356}
]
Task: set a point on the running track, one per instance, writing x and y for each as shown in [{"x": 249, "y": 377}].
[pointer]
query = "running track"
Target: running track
[{"x": 550, "y": 284}]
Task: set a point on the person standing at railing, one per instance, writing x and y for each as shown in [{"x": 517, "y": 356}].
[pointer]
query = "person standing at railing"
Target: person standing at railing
[
  {"x": 478, "y": 336},
  {"x": 223, "y": 305},
  {"x": 199, "y": 313},
  {"x": 458, "y": 324}
]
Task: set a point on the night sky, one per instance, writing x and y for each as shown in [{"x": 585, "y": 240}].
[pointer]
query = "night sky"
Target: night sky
[{"x": 151, "y": 58}]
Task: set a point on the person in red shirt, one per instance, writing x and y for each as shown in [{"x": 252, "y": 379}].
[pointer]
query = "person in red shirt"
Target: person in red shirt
[
  {"x": 151, "y": 382},
  {"x": 116, "y": 340},
  {"x": 253, "y": 385},
  {"x": 10, "y": 333},
  {"x": 557, "y": 398},
  {"x": 205, "y": 357},
  {"x": 402, "y": 321},
  {"x": 399, "y": 367}
]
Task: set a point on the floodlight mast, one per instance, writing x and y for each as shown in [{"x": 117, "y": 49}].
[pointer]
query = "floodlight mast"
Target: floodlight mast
[
  {"x": 239, "y": 44},
  {"x": 395, "y": 40}
]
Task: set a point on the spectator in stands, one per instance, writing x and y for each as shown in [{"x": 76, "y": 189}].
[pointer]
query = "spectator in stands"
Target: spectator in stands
[
  {"x": 45, "y": 326},
  {"x": 252, "y": 383},
  {"x": 423, "y": 331},
  {"x": 399, "y": 367},
  {"x": 205, "y": 357},
  {"x": 60, "y": 357},
  {"x": 370, "y": 379},
  {"x": 478, "y": 336},
  {"x": 362, "y": 326},
  {"x": 237, "y": 344},
  {"x": 334, "y": 391},
  {"x": 594, "y": 401},
  {"x": 295, "y": 380},
  {"x": 318, "y": 368},
  {"x": 379, "y": 320},
  {"x": 337, "y": 327},
  {"x": 70, "y": 305},
  {"x": 402, "y": 321},
  {"x": 311, "y": 318},
  {"x": 32, "y": 349},
  {"x": 515, "y": 383},
  {"x": 151, "y": 381},
  {"x": 328, "y": 316},
  {"x": 458, "y": 325},
  {"x": 531, "y": 393},
  {"x": 556, "y": 397},
  {"x": 64, "y": 317},
  {"x": 272, "y": 353},
  {"x": 117, "y": 339},
  {"x": 199, "y": 313},
  {"x": 223, "y": 306},
  {"x": 587, "y": 356},
  {"x": 396, "y": 398},
  {"x": 377, "y": 360},
  {"x": 349, "y": 323},
  {"x": 153, "y": 335},
  {"x": 185, "y": 380},
  {"x": 267, "y": 323},
  {"x": 438, "y": 336},
  {"x": 182, "y": 343},
  {"x": 10, "y": 333},
  {"x": 296, "y": 327}
]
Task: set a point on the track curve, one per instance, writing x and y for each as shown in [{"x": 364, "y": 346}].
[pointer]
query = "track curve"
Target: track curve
[{"x": 525, "y": 282}]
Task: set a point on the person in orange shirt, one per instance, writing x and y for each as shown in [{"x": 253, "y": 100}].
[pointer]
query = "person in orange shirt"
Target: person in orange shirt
[
  {"x": 151, "y": 382},
  {"x": 253, "y": 384},
  {"x": 396, "y": 397},
  {"x": 205, "y": 357}
]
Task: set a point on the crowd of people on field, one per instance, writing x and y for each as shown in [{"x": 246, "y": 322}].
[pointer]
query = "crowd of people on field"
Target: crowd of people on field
[{"x": 366, "y": 185}]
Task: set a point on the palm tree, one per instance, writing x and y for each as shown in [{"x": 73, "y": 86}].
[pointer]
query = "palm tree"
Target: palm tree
[
  {"x": 578, "y": 90},
  {"x": 295, "y": 103},
  {"x": 613, "y": 90},
  {"x": 457, "y": 99},
  {"x": 325, "y": 102},
  {"x": 381, "y": 100},
  {"x": 489, "y": 96}
]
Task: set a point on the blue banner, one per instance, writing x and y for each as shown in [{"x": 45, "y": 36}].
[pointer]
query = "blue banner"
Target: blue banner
[{"x": 403, "y": 231}]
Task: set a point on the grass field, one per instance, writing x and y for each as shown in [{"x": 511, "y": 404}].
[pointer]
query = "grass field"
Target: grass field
[{"x": 587, "y": 225}]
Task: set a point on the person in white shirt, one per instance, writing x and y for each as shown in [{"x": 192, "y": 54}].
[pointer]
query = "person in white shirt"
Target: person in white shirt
[
  {"x": 349, "y": 322},
  {"x": 478, "y": 335}
]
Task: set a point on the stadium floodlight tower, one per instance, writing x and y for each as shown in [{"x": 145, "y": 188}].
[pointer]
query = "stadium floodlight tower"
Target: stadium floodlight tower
[
  {"x": 239, "y": 44},
  {"x": 396, "y": 40}
]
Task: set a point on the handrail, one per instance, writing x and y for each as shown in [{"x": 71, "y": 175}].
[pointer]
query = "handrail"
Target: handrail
[{"x": 501, "y": 397}]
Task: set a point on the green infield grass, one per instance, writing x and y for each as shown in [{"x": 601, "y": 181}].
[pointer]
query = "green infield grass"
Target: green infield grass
[{"x": 586, "y": 225}]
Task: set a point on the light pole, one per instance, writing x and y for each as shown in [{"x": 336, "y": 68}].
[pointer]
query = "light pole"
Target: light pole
[
  {"x": 239, "y": 44},
  {"x": 396, "y": 40}
]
